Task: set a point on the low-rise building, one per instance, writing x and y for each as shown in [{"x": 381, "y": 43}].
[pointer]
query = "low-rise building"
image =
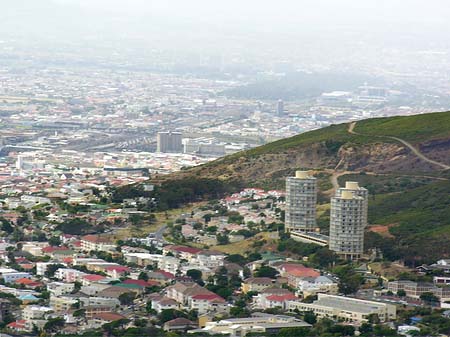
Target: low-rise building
[
  {"x": 346, "y": 308},
  {"x": 96, "y": 243},
  {"x": 210, "y": 259},
  {"x": 101, "y": 318},
  {"x": 60, "y": 288},
  {"x": 35, "y": 315},
  {"x": 273, "y": 298},
  {"x": 179, "y": 324},
  {"x": 182, "y": 252},
  {"x": 256, "y": 284},
  {"x": 416, "y": 289},
  {"x": 258, "y": 323},
  {"x": 160, "y": 303},
  {"x": 62, "y": 303},
  {"x": 194, "y": 297},
  {"x": 11, "y": 277},
  {"x": 313, "y": 285}
]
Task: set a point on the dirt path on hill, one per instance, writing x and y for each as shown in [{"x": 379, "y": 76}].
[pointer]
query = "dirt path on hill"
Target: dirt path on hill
[{"x": 414, "y": 150}]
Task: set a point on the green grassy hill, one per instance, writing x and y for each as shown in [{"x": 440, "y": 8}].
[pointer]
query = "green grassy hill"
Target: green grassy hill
[
  {"x": 415, "y": 129},
  {"x": 326, "y": 148}
]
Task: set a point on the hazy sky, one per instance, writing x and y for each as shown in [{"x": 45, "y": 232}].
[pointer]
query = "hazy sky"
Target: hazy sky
[
  {"x": 318, "y": 26},
  {"x": 267, "y": 12},
  {"x": 375, "y": 10}
]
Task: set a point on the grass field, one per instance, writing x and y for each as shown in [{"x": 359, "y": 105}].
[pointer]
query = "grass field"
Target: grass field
[
  {"x": 411, "y": 128},
  {"x": 161, "y": 219},
  {"x": 245, "y": 245},
  {"x": 389, "y": 271}
]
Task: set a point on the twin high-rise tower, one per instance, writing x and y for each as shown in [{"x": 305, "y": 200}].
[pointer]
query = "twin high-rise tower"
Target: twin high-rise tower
[
  {"x": 348, "y": 215},
  {"x": 301, "y": 200},
  {"x": 348, "y": 219}
]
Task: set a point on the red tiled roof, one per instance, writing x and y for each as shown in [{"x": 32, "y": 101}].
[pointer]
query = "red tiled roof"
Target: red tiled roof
[
  {"x": 141, "y": 283},
  {"x": 24, "y": 281},
  {"x": 118, "y": 268},
  {"x": 184, "y": 249},
  {"x": 165, "y": 273},
  {"x": 93, "y": 277},
  {"x": 179, "y": 322},
  {"x": 282, "y": 298},
  {"x": 108, "y": 316},
  {"x": 299, "y": 270},
  {"x": 208, "y": 297},
  {"x": 68, "y": 259},
  {"x": 51, "y": 249},
  {"x": 258, "y": 280},
  {"x": 20, "y": 324},
  {"x": 95, "y": 239},
  {"x": 26, "y": 266}
]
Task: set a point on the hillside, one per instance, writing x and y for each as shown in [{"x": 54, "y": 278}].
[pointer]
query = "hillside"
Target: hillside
[
  {"x": 335, "y": 148},
  {"x": 403, "y": 161}
]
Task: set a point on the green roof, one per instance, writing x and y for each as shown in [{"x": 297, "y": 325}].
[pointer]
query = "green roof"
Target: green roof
[{"x": 128, "y": 286}]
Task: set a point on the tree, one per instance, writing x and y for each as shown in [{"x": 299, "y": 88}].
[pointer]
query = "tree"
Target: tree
[
  {"x": 401, "y": 293},
  {"x": 74, "y": 226},
  {"x": 52, "y": 268},
  {"x": 374, "y": 319},
  {"x": 170, "y": 314},
  {"x": 324, "y": 257},
  {"x": 207, "y": 217},
  {"x": 381, "y": 330},
  {"x": 310, "y": 317},
  {"x": 349, "y": 279},
  {"x": 236, "y": 258},
  {"x": 195, "y": 274},
  {"x": 266, "y": 271},
  {"x": 143, "y": 276},
  {"x": 366, "y": 328},
  {"x": 110, "y": 327},
  {"x": 211, "y": 229},
  {"x": 79, "y": 313},
  {"x": 127, "y": 298},
  {"x": 54, "y": 324},
  {"x": 294, "y": 332},
  {"x": 254, "y": 257},
  {"x": 309, "y": 299},
  {"x": 222, "y": 239},
  {"x": 343, "y": 330},
  {"x": 54, "y": 241},
  {"x": 6, "y": 226},
  {"x": 429, "y": 297},
  {"x": 135, "y": 219},
  {"x": 238, "y": 311}
]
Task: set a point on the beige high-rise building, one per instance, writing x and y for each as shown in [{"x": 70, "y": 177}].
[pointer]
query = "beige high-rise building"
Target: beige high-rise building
[
  {"x": 301, "y": 199},
  {"x": 357, "y": 190},
  {"x": 348, "y": 219}
]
